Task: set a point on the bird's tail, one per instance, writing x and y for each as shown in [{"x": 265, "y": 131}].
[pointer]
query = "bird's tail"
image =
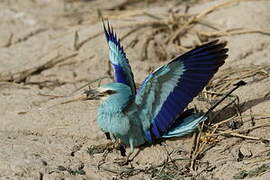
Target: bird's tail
[{"x": 185, "y": 126}]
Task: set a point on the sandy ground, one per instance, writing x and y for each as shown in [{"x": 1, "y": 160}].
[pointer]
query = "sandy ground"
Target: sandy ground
[{"x": 42, "y": 60}]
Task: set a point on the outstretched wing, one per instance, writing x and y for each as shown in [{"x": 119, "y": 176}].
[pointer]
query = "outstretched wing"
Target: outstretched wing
[
  {"x": 166, "y": 92},
  {"x": 118, "y": 59}
]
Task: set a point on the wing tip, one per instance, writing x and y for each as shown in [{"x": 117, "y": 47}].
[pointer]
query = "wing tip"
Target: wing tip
[
  {"x": 216, "y": 46},
  {"x": 111, "y": 35},
  {"x": 108, "y": 30}
]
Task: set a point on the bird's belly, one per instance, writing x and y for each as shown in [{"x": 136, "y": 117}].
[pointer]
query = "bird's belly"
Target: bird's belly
[
  {"x": 115, "y": 123},
  {"x": 122, "y": 127}
]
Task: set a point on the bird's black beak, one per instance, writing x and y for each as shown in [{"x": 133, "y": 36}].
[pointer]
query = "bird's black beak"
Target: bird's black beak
[
  {"x": 96, "y": 94},
  {"x": 93, "y": 94}
]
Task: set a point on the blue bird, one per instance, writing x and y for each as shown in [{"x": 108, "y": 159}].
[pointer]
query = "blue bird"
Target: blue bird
[{"x": 156, "y": 109}]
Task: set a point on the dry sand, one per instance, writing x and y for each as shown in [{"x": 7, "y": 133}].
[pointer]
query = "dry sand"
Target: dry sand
[{"x": 40, "y": 138}]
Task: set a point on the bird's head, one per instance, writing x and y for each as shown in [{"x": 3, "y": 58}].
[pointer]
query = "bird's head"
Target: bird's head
[{"x": 109, "y": 91}]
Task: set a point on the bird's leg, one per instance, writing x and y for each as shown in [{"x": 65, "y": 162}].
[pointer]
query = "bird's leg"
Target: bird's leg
[
  {"x": 122, "y": 150},
  {"x": 107, "y": 134},
  {"x": 114, "y": 144},
  {"x": 121, "y": 147},
  {"x": 125, "y": 160}
]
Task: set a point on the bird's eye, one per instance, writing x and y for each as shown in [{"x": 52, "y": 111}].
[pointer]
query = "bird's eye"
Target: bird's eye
[{"x": 110, "y": 92}]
